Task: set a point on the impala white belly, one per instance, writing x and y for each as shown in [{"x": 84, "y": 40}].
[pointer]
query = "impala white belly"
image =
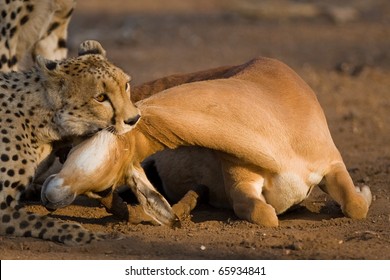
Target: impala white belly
[{"x": 288, "y": 189}]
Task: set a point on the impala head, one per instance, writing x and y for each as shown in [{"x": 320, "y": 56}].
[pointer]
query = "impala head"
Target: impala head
[
  {"x": 93, "y": 166},
  {"x": 97, "y": 164}
]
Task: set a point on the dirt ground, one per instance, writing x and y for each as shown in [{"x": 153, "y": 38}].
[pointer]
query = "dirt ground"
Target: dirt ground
[{"x": 342, "y": 49}]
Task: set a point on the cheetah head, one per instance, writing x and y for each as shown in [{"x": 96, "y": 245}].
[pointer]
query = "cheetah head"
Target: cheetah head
[{"x": 88, "y": 93}]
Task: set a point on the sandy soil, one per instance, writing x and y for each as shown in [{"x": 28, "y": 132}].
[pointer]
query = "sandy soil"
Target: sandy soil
[{"x": 341, "y": 51}]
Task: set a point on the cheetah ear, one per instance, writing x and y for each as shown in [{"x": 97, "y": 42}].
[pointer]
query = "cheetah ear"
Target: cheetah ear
[
  {"x": 46, "y": 64},
  {"x": 91, "y": 47}
]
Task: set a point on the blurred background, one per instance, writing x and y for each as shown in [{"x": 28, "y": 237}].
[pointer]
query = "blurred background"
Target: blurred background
[{"x": 150, "y": 38}]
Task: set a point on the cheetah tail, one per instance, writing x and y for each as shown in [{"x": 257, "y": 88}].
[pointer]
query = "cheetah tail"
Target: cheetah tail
[{"x": 16, "y": 221}]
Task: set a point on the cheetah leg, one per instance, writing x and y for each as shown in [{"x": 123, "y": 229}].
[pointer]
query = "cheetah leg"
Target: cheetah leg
[
  {"x": 53, "y": 44},
  {"x": 244, "y": 188},
  {"x": 354, "y": 201}
]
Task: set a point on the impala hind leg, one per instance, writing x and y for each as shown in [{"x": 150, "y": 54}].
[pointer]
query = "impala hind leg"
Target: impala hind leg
[
  {"x": 244, "y": 188},
  {"x": 354, "y": 201},
  {"x": 248, "y": 205}
]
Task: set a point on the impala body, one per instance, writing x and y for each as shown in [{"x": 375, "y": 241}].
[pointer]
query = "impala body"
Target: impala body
[{"x": 266, "y": 134}]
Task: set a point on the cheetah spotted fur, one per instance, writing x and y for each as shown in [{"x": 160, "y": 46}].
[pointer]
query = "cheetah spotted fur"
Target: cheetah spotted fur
[
  {"x": 32, "y": 27},
  {"x": 53, "y": 101}
]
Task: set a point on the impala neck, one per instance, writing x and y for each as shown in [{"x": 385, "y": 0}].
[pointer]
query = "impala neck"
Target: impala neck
[{"x": 147, "y": 143}]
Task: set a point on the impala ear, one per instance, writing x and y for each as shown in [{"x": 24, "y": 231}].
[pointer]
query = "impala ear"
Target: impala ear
[
  {"x": 153, "y": 203},
  {"x": 91, "y": 47},
  {"x": 46, "y": 64}
]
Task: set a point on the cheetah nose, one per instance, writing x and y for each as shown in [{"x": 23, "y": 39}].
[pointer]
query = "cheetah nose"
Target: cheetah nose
[{"x": 132, "y": 121}]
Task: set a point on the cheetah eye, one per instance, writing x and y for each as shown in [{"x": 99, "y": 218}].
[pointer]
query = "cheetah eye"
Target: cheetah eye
[
  {"x": 127, "y": 86},
  {"x": 101, "y": 97}
]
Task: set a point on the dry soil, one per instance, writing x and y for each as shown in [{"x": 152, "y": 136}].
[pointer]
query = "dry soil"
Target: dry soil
[{"x": 342, "y": 50}]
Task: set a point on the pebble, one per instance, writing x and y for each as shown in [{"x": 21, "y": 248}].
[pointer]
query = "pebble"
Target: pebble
[{"x": 297, "y": 246}]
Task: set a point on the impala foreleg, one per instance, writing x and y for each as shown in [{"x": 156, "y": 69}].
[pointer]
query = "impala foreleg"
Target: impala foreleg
[
  {"x": 135, "y": 214},
  {"x": 354, "y": 201},
  {"x": 115, "y": 205},
  {"x": 189, "y": 201}
]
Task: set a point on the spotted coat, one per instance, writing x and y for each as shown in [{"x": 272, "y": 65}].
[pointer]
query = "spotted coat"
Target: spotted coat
[
  {"x": 32, "y": 27},
  {"x": 55, "y": 100}
]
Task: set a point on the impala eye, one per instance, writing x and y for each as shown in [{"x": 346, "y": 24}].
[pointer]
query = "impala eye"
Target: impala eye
[
  {"x": 127, "y": 86},
  {"x": 101, "y": 97}
]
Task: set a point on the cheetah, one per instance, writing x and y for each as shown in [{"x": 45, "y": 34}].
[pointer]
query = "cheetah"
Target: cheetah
[
  {"x": 52, "y": 102},
  {"x": 30, "y": 28}
]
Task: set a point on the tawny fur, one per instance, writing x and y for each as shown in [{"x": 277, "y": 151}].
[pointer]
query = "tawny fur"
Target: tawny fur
[{"x": 266, "y": 129}]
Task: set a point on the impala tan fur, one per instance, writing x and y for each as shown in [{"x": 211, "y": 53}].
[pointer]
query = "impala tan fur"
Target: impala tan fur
[{"x": 261, "y": 123}]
